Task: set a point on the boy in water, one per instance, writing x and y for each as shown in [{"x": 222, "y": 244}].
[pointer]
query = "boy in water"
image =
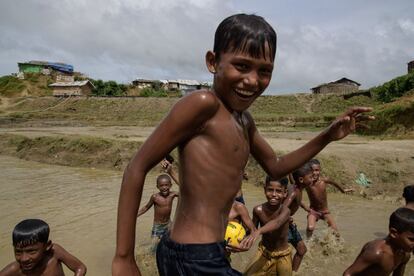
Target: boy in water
[
  {"x": 274, "y": 254},
  {"x": 302, "y": 178},
  {"x": 215, "y": 136},
  {"x": 162, "y": 202},
  {"x": 318, "y": 199},
  {"x": 389, "y": 255},
  {"x": 408, "y": 195},
  {"x": 37, "y": 255}
]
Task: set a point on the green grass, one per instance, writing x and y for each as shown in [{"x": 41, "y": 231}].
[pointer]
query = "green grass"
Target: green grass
[{"x": 11, "y": 86}]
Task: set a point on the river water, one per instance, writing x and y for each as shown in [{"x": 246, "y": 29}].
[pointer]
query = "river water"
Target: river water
[{"x": 80, "y": 206}]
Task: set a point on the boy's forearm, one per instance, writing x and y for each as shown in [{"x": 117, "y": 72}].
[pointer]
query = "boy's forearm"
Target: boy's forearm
[
  {"x": 129, "y": 199},
  {"x": 275, "y": 224},
  {"x": 81, "y": 271},
  {"x": 297, "y": 158}
]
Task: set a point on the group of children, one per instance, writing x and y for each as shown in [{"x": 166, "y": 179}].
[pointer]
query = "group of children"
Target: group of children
[{"x": 215, "y": 134}]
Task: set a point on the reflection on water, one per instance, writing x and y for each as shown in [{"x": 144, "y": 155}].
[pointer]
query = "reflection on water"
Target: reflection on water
[{"x": 80, "y": 206}]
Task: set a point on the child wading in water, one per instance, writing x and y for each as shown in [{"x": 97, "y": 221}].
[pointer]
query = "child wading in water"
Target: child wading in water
[
  {"x": 274, "y": 254},
  {"x": 215, "y": 136},
  {"x": 37, "y": 255},
  {"x": 162, "y": 202},
  {"x": 388, "y": 255},
  {"x": 318, "y": 198}
]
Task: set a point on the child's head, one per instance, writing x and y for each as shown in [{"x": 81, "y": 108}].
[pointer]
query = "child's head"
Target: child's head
[
  {"x": 303, "y": 176},
  {"x": 31, "y": 242},
  {"x": 242, "y": 59},
  {"x": 408, "y": 193},
  {"x": 402, "y": 228},
  {"x": 245, "y": 33},
  {"x": 164, "y": 183},
  {"x": 316, "y": 167},
  {"x": 275, "y": 190}
]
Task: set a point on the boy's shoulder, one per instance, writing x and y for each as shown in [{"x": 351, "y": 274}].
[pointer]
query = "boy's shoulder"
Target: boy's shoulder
[
  {"x": 201, "y": 99},
  {"x": 376, "y": 250},
  {"x": 12, "y": 269},
  {"x": 258, "y": 208}
]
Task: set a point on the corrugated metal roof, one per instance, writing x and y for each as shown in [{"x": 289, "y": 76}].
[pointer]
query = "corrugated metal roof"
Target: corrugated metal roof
[{"x": 70, "y": 84}]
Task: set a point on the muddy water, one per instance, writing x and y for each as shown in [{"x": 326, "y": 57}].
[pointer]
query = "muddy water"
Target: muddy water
[{"x": 80, "y": 206}]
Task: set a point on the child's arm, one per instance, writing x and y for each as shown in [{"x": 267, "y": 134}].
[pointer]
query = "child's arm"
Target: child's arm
[
  {"x": 336, "y": 185},
  {"x": 244, "y": 214},
  {"x": 276, "y": 223},
  {"x": 69, "y": 260},
  {"x": 367, "y": 257},
  {"x": 168, "y": 167},
  {"x": 146, "y": 207},
  {"x": 279, "y": 167},
  {"x": 183, "y": 121}
]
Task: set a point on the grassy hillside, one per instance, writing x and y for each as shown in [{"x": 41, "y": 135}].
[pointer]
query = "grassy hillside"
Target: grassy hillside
[{"x": 32, "y": 85}]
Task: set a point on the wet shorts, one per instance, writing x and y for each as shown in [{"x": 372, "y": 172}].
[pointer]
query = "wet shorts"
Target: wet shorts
[
  {"x": 294, "y": 236},
  {"x": 160, "y": 229},
  {"x": 175, "y": 259},
  {"x": 318, "y": 214},
  {"x": 240, "y": 199}
]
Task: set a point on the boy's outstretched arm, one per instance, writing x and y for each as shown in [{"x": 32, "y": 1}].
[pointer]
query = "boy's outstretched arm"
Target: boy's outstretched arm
[
  {"x": 339, "y": 187},
  {"x": 146, "y": 207},
  {"x": 184, "y": 120},
  {"x": 280, "y": 167},
  {"x": 244, "y": 214},
  {"x": 69, "y": 260},
  {"x": 168, "y": 167}
]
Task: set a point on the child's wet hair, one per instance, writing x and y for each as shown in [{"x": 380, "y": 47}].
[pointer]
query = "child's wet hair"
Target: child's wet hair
[
  {"x": 302, "y": 171},
  {"x": 283, "y": 181},
  {"x": 30, "y": 231},
  {"x": 408, "y": 193},
  {"x": 402, "y": 220},
  {"x": 163, "y": 176},
  {"x": 314, "y": 162},
  {"x": 245, "y": 33}
]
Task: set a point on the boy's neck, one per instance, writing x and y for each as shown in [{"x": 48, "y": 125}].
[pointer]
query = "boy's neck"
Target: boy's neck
[
  {"x": 273, "y": 207},
  {"x": 392, "y": 244}
]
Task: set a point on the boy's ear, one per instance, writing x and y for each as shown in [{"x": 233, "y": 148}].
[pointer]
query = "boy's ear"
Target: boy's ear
[
  {"x": 393, "y": 232},
  {"x": 211, "y": 62},
  {"x": 300, "y": 179},
  {"x": 49, "y": 245}
]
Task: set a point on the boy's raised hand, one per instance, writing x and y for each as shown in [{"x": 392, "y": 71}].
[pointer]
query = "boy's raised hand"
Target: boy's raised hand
[{"x": 348, "y": 122}]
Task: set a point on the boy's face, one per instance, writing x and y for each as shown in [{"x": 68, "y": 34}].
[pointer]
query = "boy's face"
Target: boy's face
[
  {"x": 307, "y": 179},
  {"x": 316, "y": 171},
  {"x": 239, "y": 78},
  {"x": 30, "y": 256},
  {"x": 404, "y": 240},
  {"x": 164, "y": 186},
  {"x": 275, "y": 193}
]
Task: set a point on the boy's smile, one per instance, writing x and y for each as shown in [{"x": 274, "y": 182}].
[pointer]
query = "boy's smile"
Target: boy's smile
[
  {"x": 239, "y": 78},
  {"x": 30, "y": 256}
]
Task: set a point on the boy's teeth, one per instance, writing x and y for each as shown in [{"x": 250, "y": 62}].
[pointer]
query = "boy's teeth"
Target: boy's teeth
[{"x": 245, "y": 92}]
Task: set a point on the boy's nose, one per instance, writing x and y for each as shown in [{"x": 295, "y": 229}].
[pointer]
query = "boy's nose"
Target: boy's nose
[
  {"x": 251, "y": 79},
  {"x": 24, "y": 257}
]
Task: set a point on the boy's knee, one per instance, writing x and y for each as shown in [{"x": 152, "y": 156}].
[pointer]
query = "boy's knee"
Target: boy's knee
[{"x": 310, "y": 228}]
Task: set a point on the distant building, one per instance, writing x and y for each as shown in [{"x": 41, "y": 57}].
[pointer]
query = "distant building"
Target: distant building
[
  {"x": 34, "y": 66},
  {"x": 185, "y": 86},
  {"x": 75, "y": 88},
  {"x": 341, "y": 86},
  {"x": 410, "y": 66}
]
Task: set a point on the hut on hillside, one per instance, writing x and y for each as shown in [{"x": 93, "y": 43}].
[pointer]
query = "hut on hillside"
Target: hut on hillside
[
  {"x": 75, "y": 88},
  {"x": 410, "y": 66},
  {"x": 341, "y": 86}
]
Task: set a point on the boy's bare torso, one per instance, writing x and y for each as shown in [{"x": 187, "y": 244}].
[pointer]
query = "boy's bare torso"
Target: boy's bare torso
[
  {"x": 162, "y": 207},
  {"x": 388, "y": 260},
  {"x": 317, "y": 196},
  {"x": 277, "y": 239},
  {"x": 221, "y": 149}
]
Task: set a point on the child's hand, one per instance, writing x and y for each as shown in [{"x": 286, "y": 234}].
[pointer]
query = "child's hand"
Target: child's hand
[
  {"x": 235, "y": 248},
  {"x": 349, "y": 190},
  {"x": 248, "y": 241},
  {"x": 348, "y": 122},
  {"x": 166, "y": 165}
]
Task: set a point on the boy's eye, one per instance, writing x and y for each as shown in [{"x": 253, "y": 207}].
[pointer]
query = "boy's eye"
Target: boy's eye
[{"x": 241, "y": 66}]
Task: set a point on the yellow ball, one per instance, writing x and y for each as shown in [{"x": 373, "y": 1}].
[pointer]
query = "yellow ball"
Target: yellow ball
[{"x": 234, "y": 233}]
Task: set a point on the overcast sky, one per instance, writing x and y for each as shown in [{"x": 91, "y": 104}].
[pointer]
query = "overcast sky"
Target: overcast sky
[{"x": 319, "y": 41}]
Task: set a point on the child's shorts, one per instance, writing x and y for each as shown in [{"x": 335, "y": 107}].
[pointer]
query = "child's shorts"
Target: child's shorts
[
  {"x": 160, "y": 229},
  {"x": 175, "y": 259},
  {"x": 294, "y": 236}
]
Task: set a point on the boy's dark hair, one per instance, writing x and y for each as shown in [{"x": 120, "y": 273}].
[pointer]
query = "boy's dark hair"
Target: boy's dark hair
[
  {"x": 314, "y": 162},
  {"x": 30, "y": 231},
  {"x": 283, "y": 181},
  {"x": 402, "y": 220},
  {"x": 302, "y": 171},
  {"x": 246, "y": 33},
  {"x": 163, "y": 176},
  {"x": 408, "y": 193}
]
